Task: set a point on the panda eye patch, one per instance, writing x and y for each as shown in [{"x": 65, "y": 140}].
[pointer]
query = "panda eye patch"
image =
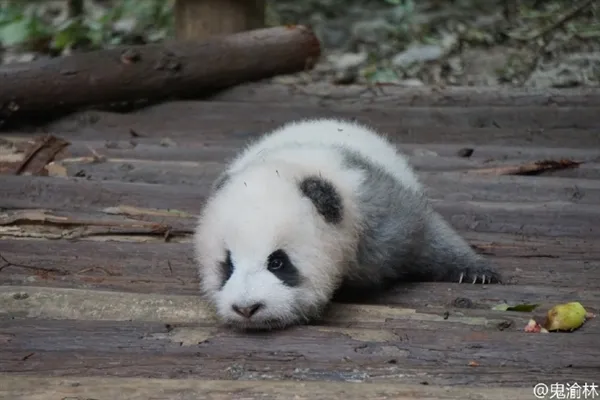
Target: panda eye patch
[
  {"x": 277, "y": 260},
  {"x": 226, "y": 268},
  {"x": 280, "y": 265}
]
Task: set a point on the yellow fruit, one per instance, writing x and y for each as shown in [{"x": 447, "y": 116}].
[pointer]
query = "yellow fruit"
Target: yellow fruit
[{"x": 565, "y": 317}]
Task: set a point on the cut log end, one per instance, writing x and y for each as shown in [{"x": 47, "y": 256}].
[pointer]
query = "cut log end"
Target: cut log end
[{"x": 201, "y": 19}]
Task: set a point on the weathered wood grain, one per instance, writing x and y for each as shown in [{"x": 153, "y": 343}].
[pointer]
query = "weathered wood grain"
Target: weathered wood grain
[
  {"x": 528, "y": 126},
  {"x": 80, "y": 194},
  {"x": 557, "y": 218},
  {"x": 394, "y": 96},
  {"x": 116, "y": 293},
  {"x": 144, "y": 263},
  {"x": 333, "y": 345},
  {"x": 207, "y": 149},
  {"x": 181, "y": 165},
  {"x": 21, "y": 387},
  {"x": 196, "y": 162},
  {"x": 432, "y": 170},
  {"x": 439, "y": 174},
  {"x": 35, "y": 156},
  {"x": 212, "y": 149},
  {"x": 181, "y": 161},
  {"x": 475, "y": 116},
  {"x": 282, "y": 367},
  {"x": 45, "y": 305},
  {"x": 80, "y": 304},
  {"x": 76, "y": 225},
  {"x": 384, "y": 352}
]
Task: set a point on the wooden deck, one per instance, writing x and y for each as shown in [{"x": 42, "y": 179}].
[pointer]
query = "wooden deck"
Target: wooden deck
[{"x": 99, "y": 291}]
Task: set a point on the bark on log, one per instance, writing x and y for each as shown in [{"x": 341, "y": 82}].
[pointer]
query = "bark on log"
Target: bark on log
[{"x": 154, "y": 72}]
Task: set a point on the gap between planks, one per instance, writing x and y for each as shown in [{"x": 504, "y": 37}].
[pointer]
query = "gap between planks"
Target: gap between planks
[{"x": 18, "y": 387}]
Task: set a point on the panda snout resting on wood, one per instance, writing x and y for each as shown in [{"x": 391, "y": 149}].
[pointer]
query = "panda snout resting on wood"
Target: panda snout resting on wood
[{"x": 314, "y": 207}]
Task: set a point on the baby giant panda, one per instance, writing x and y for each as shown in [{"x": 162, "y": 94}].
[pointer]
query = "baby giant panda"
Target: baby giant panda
[{"x": 314, "y": 207}]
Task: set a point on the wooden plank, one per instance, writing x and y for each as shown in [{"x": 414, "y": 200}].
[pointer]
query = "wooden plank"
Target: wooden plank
[
  {"x": 394, "y": 96},
  {"x": 80, "y": 304},
  {"x": 557, "y": 218},
  {"x": 205, "y": 149},
  {"x": 528, "y": 126},
  {"x": 79, "y": 194},
  {"x": 145, "y": 318},
  {"x": 111, "y": 222},
  {"x": 332, "y": 346},
  {"x": 153, "y": 267},
  {"x": 177, "y": 162},
  {"x": 498, "y": 246},
  {"x": 181, "y": 165},
  {"x": 475, "y": 187},
  {"x": 281, "y": 367},
  {"x": 213, "y": 132},
  {"x": 20, "y": 387},
  {"x": 41, "y": 151},
  {"x": 443, "y": 176},
  {"x": 172, "y": 336},
  {"x": 431, "y": 169},
  {"x": 478, "y": 116},
  {"x": 172, "y": 162},
  {"x": 132, "y": 170},
  {"x": 225, "y": 147},
  {"x": 425, "y": 157}
]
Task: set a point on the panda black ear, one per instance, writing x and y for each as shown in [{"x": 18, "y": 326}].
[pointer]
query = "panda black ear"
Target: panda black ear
[{"x": 324, "y": 197}]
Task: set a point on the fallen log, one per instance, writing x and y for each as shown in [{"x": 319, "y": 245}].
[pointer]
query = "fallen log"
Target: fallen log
[{"x": 176, "y": 69}]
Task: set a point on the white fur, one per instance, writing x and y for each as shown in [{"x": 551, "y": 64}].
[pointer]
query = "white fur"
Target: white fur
[
  {"x": 369, "y": 143},
  {"x": 260, "y": 209}
]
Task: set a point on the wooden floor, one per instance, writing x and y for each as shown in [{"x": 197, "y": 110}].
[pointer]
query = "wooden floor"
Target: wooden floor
[{"x": 99, "y": 292}]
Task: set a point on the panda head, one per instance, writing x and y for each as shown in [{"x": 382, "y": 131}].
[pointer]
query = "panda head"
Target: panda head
[{"x": 270, "y": 245}]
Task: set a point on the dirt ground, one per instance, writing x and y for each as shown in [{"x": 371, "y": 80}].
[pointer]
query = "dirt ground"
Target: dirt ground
[
  {"x": 465, "y": 43},
  {"x": 406, "y": 42}
]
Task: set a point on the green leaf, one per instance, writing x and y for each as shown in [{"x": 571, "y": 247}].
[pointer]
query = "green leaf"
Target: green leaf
[
  {"x": 383, "y": 75},
  {"x": 69, "y": 32},
  {"x": 15, "y": 32},
  {"x": 62, "y": 39}
]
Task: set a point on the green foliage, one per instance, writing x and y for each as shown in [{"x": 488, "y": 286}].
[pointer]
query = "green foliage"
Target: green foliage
[
  {"x": 19, "y": 24},
  {"x": 38, "y": 27}
]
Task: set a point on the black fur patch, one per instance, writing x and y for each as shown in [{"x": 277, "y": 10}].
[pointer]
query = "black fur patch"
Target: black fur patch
[
  {"x": 226, "y": 268},
  {"x": 324, "y": 196},
  {"x": 280, "y": 265}
]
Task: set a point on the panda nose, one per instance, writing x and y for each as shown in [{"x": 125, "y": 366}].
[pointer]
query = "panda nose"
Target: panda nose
[{"x": 247, "y": 311}]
